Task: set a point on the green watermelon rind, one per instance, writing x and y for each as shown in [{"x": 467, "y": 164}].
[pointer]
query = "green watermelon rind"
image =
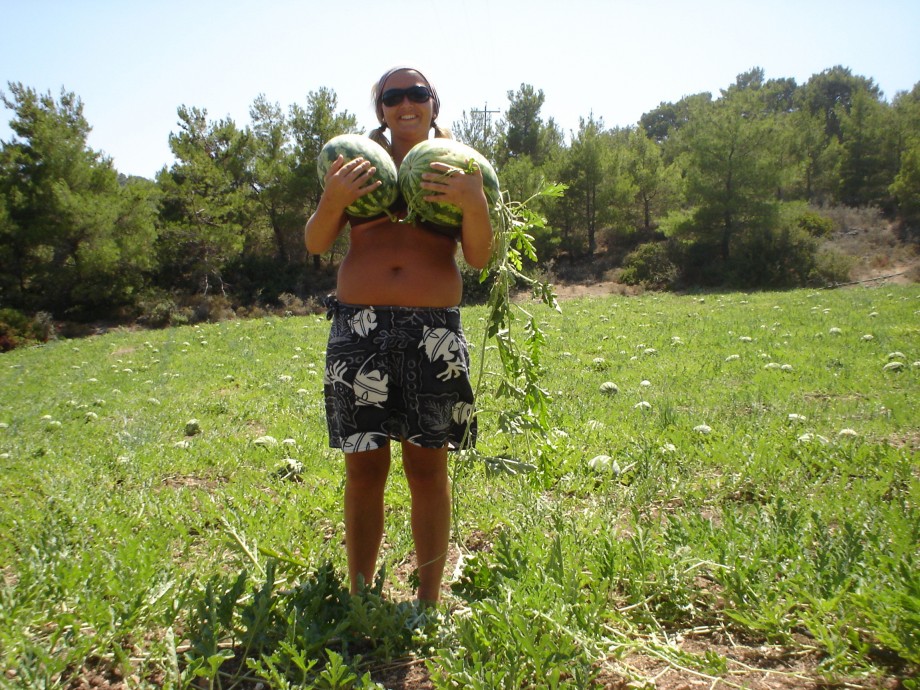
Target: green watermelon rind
[
  {"x": 352, "y": 146},
  {"x": 452, "y": 152}
]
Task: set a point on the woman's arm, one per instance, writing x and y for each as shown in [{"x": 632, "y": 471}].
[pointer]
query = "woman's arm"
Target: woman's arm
[
  {"x": 465, "y": 191},
  {"x": 476, "y": 238},
  {"x": 343, "y": 185}
]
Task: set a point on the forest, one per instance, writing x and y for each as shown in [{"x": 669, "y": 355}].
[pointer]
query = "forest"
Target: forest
[{"x": 715, "y": 190}]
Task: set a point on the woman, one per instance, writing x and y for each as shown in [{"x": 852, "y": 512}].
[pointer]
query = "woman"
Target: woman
[{"x": 397, "y": 363}]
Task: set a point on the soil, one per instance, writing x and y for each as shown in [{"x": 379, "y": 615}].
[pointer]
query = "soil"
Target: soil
[{"x": 750, "y": 666}]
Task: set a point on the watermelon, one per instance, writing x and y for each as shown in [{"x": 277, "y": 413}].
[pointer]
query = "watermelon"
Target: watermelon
[
  {"x": 352, "y": 146},
  {"x": 454, "y": 153}
]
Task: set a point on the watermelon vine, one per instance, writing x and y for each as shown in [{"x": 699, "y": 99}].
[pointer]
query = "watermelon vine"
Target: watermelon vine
[{"x": 516, "y": 332}]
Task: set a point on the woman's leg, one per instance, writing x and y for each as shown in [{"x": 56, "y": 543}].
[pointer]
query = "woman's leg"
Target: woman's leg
[
  {"x": 365, "y": 480},
  {"x": 429, "y": 485}
]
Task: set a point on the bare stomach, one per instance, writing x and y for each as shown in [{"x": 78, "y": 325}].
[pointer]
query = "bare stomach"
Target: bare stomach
[{"x": 399, "y": 265}]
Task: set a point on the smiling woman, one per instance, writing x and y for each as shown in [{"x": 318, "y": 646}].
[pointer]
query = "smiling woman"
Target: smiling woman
[
  {"x": 387, "y": 93},
  {"x": 397, "y": 361}
]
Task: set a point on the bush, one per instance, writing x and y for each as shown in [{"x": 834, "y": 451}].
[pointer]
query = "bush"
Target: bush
[
  {"x": 160, "y": 310},
  {"x": 815, "y": 224},
  {"x": 649, "y": 265},
  {"x": 211, "y": 308},
  {"x": 772, "y": 257},
  {"x": 261, "y": 280},
  {"x": 474, "y": 292},
  {"x": 295, "y": 306},
  {"x": 18, "y": 329},
  {"x": 831, "y": 268},
  {"x": 850, "y": 221}
]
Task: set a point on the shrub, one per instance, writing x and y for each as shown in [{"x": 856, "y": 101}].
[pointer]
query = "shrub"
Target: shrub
[
  {"x": 831, "y": 267},
  {"x": 262, "y": 279},
  {"x": 295, "y": 306},
  {"x": 773, "y": 257},
  {"x": 815, "y": 224},
  {"x": 159, "y": 310},
  {"x": 43, "y": 327},
  {"x": 474, "y": 291},
  {"x": 18, "y": 329},
  {"x": 649, "y": 265},
  {"x": 211, "y": 308},
  {"x": 850, "y": 221}
]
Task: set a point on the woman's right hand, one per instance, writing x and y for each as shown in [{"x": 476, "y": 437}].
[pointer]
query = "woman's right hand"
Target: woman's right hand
[{"x": 345, "y": 183}]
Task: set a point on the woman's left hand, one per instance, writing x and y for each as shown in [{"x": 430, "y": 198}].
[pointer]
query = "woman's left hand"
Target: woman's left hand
[{"x": 454, "y": 186}]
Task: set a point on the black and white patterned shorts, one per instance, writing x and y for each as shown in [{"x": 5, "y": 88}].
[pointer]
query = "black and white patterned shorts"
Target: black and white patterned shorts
[{"x": 397, "y": 373}]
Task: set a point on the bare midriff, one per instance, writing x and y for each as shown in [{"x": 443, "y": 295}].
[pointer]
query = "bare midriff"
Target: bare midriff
[{"x": 399, "y": 264}]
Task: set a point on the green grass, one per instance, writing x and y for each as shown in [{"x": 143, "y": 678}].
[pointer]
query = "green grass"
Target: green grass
[{"x": 132, "y": 550}]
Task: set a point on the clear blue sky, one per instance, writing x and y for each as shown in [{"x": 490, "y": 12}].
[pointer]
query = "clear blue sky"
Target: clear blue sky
[{"x": 134, "y": 63}]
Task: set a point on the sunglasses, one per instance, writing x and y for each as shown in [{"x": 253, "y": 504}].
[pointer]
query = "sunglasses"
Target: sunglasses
[{"x": 416, "y": 94}]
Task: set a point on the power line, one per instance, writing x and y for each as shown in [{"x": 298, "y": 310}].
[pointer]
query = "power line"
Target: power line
[{"x": 486, "y": 119}]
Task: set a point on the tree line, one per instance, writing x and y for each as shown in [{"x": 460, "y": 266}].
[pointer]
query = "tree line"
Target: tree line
[{"x": 723, "y": 189}]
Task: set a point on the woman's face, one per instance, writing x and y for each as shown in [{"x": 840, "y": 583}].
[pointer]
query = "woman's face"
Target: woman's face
[{"x": 407, "y": 119}]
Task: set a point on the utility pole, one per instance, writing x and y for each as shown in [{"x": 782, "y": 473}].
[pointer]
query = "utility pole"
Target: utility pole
[{"x": 486, "y": 121}]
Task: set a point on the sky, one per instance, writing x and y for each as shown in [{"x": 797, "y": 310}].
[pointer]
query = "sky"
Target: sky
[{"x": 133, "y": 64}]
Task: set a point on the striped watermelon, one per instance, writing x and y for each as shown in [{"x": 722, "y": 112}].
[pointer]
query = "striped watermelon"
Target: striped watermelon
[
  {"x": 352, "y": 146},
  {"x": 454, "y": 153}
]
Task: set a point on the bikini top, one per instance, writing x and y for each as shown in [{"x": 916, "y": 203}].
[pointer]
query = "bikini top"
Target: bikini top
[{"x": 399, "y": 208}]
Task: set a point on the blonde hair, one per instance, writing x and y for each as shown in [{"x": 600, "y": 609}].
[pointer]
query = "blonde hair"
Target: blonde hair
[{"x": 377, "y": 96}]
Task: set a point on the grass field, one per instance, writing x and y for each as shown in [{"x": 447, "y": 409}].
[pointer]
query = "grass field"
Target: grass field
[{"x": 739, "y": 506}]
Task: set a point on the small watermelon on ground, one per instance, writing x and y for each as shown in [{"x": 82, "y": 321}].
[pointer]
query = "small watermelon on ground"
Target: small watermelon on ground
[
  {"x": 454, "y": 153},
  {"x": 352, "y": 146}
]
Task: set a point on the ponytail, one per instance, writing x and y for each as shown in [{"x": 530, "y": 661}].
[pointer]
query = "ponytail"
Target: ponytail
[
  {"x": 441, "y": 132},
  {"x": 377, "y": 136}
]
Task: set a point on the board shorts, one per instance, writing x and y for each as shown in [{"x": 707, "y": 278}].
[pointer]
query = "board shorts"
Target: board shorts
[{"x": 397, "y": 373}]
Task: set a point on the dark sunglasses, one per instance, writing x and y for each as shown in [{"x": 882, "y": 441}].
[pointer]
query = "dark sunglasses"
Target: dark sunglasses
[{"x": 416, "y": 94}]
